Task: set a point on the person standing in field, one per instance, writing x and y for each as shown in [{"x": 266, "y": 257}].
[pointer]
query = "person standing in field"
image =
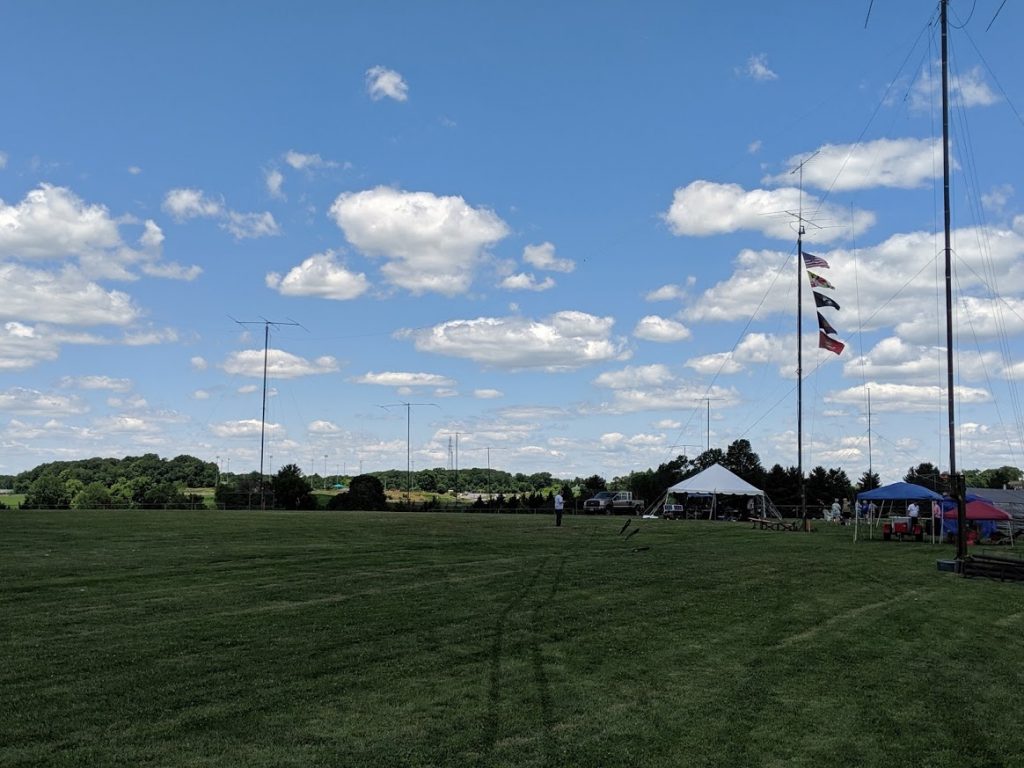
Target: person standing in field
[{"x": 559, "y": 505}]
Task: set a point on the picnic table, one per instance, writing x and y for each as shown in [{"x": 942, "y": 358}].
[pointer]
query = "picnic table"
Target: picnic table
[{"x": 772, "y": 524}]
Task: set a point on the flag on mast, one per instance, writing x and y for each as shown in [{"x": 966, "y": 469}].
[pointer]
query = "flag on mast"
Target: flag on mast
[
  {"x": 832, "y": 345},
  {"x": 825, "y": 325},
  {"x": 810, "y": 260},
  {"x": 821, "y": 300},
  {"x": 817, "y": 281}
]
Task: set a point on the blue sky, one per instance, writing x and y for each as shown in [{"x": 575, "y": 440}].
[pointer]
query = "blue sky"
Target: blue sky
[{"x": 557, "y": 229}]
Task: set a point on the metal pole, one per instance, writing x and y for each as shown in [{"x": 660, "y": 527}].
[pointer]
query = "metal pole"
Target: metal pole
[
  {"x": 961, "y": 510},
  {"x": 800, "y": 363},
  {"x": 263, "y": 415}
]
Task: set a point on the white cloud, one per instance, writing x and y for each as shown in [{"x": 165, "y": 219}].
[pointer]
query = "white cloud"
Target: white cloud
[
  {"x": 96, "y": 382},
  {"x": 526, "y": 282},
  {"x": 274, "y": 180},
  {"x": 184, "y": 204},
  {"x": 655, "y": 328},
  {"x": 708, "y": 208},
  {"x": 894, "y": 358},
  {"x": 322, "y": 427},
  {"x": 757, "y": 68},
  {"x": 246, "y": 428},
  {"x": 3, "y": 160},
  {"x": 969, "y": 89},
  {"x": 34, "y": 402},
  {"x": 543, "y": 257},
  {"x": 65, "y": 297},
  {"x": 666, "y": 293},
  {"x": 754, "y": 147},
  {"x": 320, "y": 275},
  {"x": 715, "y": 363},
  {"x": 307, "y": 162},
  {"x": 280, "y": 364},
  {"x": 200, "y": 394},
  {"x": 654, "y": 388},
  {"x": 134, "y": 170},
  {"x": 562, "y": 341},
  {"x": 247, "y": 389},
  {"x": 898, "y": 163},
  {"x": 404, "y": 379},
  {"x": 54, "y": 223},
  {"x": 198, "y": 363},
  {"x": 635, "y": 376},
  {"x": 382, "y": 82},
  {"x": 487, "y": 394},
  {"x": 887, "y": 397},
  {"x": 430, "y": 243},
  {"x": 996, "y": 198},
  {"x": 251, "y": 225},
  {"x": 152, "y": 336}
]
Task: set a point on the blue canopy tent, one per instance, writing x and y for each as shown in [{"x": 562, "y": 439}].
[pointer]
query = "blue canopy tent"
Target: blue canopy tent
[{"x": 895, "y": 492}]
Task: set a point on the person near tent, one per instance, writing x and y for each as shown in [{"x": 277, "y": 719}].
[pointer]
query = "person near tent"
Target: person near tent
[
  {"x": 750, "y": 507},
  {"x": 559, "y": 506},
  {"x": 913, "y": 512},
  {"x": 836, "y": 513}
]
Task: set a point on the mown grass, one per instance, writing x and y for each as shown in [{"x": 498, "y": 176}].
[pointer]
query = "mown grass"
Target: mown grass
[{"x": 390, "y": 639}]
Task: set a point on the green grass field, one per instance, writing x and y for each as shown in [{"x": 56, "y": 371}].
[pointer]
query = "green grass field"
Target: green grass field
[{"x": 389, "y": 639}]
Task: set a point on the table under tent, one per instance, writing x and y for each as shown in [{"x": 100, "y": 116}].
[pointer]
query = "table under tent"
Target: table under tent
[
  {"x": 939, "y": 511},
  {"x": 717, "y": 481}
]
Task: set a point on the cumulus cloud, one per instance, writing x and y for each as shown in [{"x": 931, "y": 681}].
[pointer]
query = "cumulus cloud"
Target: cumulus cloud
[
  {"x": 246, "y": 428},
  {"x": 543, "y": 257},
  {"x": 54, "y": 223},
  {"x": 35, "y": 403},
  {"x": 404, "y": 379},
  {"x": 894, "y": 358},
  {"x": 655, "y": 388},
  {"x": 655, "y": 328},
  {"x": 184, "y": 204},
  {"x": 969, "y": 89},
  {"x": 382, "y": 82},
  {"x": 898, "y": 163},
  {"x": 65, "y": 297},
  {"x": 526, "y": 282},
  {"x": 320, "y": 275},
  {"x": 198, "y": 363},
  {"x": 96, "y": 382},
  {"x": 916, "y": 398},
  {"x": 322, "y": 427},
  {"x": 757, "y": 68},
  {"x": 487, "y": 394},
  {"x": 709, "y": 208},
  {"x": 667, "y": 293},
  {"x": 307, "y": 162},
  {"x": 429, "y": 243},
  {"x": 715, "y": 363},
  {"x": 274, "y": 180},
  {"x": 563, "y": 341},
  {"x": 280, "y": 364}
]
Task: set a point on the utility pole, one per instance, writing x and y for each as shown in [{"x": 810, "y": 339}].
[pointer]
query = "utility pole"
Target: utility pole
[
  {"x": 263, "y": 413},
  {"x": 325, "y": 471},
  {"x": 408, "y": 442}
]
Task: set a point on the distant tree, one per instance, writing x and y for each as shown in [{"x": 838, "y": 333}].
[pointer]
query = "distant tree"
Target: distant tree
[
  {"x": 92, "y": 496},
  {"x": 47, "y": 491},
  {"x": 365, "y": 492},
  {"x": 708, "y": 459},
  {"x": 592, "y": 485},
  {"x": 783, "y": 486},
  {"x": 868, "y": 482},
  {"x": 926, "y": 475},
  {"x": 291, "y": 489},
  {"x": 741, "y": 460}
]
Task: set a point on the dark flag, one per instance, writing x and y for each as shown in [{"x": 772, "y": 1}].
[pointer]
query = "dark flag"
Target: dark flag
[
  {"x": 832, "y": 345},
  {"x": 817, "y": 281},
  {"x": 825, "y": 325},
  {"x": 821, "y": 300},
  {"x": 810, "y": 260}
]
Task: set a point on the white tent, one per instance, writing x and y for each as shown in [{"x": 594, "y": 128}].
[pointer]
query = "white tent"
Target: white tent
[{"x": 717, "y": 481}]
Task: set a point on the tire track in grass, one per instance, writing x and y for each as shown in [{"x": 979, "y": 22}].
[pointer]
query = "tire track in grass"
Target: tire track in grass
[
  {"x": 490, "y": 731},
  {"x": 540, "y": 679},
  {"x": 839, "y": 617}
]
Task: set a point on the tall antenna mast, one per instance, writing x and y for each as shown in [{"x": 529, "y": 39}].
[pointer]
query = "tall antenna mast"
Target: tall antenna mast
[
  {"x": 263, "y": 414},
  {"x": 957, "y": 491},
  {"x": 408, "y": 442},
  {"x": 800, "y": 231}
]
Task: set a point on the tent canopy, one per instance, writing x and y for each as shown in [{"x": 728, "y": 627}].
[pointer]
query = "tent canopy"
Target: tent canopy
[
  {"x": 716, "y": 479},
  {"x": 979, "y": 510},
  {"x": 900, "y": 492}
]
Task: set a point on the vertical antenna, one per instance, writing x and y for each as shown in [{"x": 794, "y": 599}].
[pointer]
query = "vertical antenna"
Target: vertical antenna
[{"x": 263, "y": 414}]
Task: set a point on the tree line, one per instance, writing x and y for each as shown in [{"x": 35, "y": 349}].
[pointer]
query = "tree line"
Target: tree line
[{"x": 149, "y": 481}]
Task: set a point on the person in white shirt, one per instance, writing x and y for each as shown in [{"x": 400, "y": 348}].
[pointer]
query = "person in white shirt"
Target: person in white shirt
[{"x": 559, "y": 505}]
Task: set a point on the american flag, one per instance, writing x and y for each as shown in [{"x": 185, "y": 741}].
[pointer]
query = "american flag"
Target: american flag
[{"x": 810, "y": 260}]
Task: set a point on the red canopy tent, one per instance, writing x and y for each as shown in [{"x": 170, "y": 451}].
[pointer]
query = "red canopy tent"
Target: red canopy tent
[{"x": 980, "y": 510}]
